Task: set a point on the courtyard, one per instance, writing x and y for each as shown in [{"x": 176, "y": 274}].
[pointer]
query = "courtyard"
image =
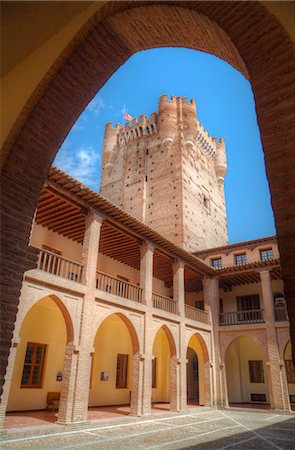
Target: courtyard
[{"x": 198, "y": 428}]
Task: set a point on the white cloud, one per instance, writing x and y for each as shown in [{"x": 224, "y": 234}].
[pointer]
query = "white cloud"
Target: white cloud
[
  {"x": 78, "y": 127},
  {"x": 96, "y": 105},
  {"x": 81, "y": 163}
]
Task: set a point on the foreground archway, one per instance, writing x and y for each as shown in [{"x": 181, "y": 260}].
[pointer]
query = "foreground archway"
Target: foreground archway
[
  {"x": 247, "y": 36},
  {"x": 246, "y": 374},
  {"x": 290, "y": 374}
]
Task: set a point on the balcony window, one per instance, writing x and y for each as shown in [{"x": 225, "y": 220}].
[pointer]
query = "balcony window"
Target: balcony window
[
  {"x": 248, "y": 302},
  {"x": 266, "y": 254},
  {"x": 216, "y": 263},
  {"x": 240, "y": 259}
]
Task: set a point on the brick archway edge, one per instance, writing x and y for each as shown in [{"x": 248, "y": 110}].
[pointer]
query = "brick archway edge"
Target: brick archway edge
[{"x": 264, "y": 51}]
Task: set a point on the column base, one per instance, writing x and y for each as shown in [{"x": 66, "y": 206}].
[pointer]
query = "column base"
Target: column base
[{"x": 80, "y": 424}]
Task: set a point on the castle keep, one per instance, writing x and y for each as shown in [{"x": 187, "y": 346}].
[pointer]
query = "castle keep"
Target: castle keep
[{"x": 168, "y": 172}]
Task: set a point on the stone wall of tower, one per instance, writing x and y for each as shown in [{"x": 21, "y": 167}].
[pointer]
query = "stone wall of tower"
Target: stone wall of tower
[{"x": 168, "y": 172}]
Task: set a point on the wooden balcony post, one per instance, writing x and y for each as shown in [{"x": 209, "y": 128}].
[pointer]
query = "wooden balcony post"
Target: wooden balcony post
[
  {"x": 278, "y": 388},
  {"x": 178, "y": 285},
  {"x": 93, "y": 223},
  {"x": 146, "y": 272}
]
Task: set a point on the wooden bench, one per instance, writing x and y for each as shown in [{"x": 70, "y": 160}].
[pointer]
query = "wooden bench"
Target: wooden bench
[{"x": 53, "y": 400}]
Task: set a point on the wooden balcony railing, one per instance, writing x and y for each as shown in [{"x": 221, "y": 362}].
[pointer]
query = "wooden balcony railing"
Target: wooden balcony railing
[
  {"x": 60, "y": 266},
  {"x": 281, "y": 314},
  {"x": 241, "y": 317},
  {"x": 196, "y": 314},
  {"x": 164, "y": 303},
  {"x": 118, "y": 287}
]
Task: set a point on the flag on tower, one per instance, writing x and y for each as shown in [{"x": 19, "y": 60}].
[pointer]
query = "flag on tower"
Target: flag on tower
[{"x": 127, "y": 116}]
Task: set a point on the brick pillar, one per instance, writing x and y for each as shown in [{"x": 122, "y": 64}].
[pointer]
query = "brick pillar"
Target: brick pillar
[
  {"x": 178, "y": 285},
  {"x": 278, "y": 388},
  {"x": 211, "y": 303},
  {"x": 146, "y": 272},
  {"x": 146, "y": 283},
  {"x": 74, "y": 398},
  {"x": 181, "y": 367}
]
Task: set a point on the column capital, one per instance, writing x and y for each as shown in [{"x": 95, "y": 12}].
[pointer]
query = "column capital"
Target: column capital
[
  {"x": 147, "y": 245},
  {"x": 263, "y": 271},
  {"x": 94, "y": 216},
  {"x": 178, "y": 263}
]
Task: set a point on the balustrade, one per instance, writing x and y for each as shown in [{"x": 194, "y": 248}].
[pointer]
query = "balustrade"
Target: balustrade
[
  {"x": 164, "y": 303},
  {"x": 241, "y": 317},
  {"x": 118, "y": 287},
  {"x": 58, "y": 265},
  {"x": 196, "y": 314}
]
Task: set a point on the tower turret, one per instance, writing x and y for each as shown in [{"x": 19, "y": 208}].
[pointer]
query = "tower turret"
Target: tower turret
[
  {"x": 167, "y": 120},
  {"x": 220, "y": 161},
  {"x": 190, "y": 122},
  {"x": 109, "y": 143}
]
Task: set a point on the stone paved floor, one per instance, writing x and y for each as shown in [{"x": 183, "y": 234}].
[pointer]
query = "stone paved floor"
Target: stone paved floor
[
  {"x": 40, "y": 418},
  {"x": 199, "y": 428}
]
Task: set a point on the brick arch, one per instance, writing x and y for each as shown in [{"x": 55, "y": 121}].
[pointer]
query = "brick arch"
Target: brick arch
[
  {"x": 252, "y": 336},
  {"x": 246, "y": 35},
  {"x": 62, "y": 308},
  {"x": 66, "y": 316},
  {"x": 170, "y": 338},
  {"x": 202, "y": 343},
  {"x": 285, "y": 347},
  {"x": 130, "y": 327}
]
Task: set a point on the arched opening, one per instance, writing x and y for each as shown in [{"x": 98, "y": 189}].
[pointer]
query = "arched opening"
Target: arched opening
[
  {"x": 268, "y": 57},
  {"x": 246, "y": 373},
  {"x": 290, "y": 374},
  {"x": 164, "y": 370},
  {"x": 193, "y": 393},
  {"x": 39, "y": 381},
  {"x": 198, "y": 372},
  {"x": 114, "y": 369}
]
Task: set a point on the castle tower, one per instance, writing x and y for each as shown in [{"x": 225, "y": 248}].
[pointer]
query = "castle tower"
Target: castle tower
[{"x": 168, "y": 172}]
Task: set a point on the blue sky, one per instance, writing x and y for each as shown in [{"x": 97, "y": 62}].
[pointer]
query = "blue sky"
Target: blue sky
[{"x": 225, "y": 106}]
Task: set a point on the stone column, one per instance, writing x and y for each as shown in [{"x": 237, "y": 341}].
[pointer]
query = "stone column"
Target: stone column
[
  {"x": 75, "y": 394},
  {"x": 181, "y": 367},
  {"x": 278, "y": 388},
  {"x": 146, "y": 283},
  {"x": 211, "y": 304}
]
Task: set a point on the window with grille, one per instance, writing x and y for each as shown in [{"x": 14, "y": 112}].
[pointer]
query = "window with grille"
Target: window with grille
[
  {"x": 216, "y": 263},
  {"x": 266, "y": 254},
  {"x": 33, "y": 365},
  {"x": 290, "y": 371},
  {"x": 240, "y": 259},
  {"x": 256, "y": 372},
  {"x": 122, "y": 370},
  {"x": 154, "y": 373},
  {"x": 248, "y": 302}
]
